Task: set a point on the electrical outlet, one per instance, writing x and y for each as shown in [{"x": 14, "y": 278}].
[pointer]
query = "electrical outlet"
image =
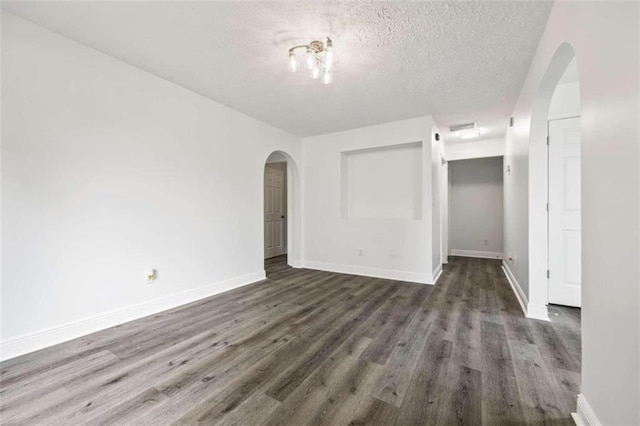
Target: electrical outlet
[
  {"x": 511, "y": 258},
  {"x": 486, "y": 242},
  {"x": 360, "y": 252}
]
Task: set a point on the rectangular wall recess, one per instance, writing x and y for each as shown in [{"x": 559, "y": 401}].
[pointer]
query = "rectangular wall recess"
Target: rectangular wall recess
[{"x": 382, "y": 182}]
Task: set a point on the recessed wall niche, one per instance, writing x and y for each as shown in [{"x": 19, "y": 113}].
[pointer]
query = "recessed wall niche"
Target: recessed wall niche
[{"x": 382, "y": 182}]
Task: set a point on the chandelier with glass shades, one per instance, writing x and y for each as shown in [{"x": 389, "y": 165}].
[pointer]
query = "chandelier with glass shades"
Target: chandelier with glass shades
[{"x": 319, "y": 59}]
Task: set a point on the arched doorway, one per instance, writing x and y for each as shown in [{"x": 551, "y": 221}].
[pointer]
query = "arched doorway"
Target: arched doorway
[
  {"x": 564, "y": 215},
  {"x": 281, "y": 211},
  {"x": 555, "y": 204},
  {"x": 545, "y": 182}
]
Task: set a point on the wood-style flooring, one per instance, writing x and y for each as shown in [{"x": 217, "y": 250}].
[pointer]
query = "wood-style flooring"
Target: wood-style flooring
[{"x": 311, "y": 347}]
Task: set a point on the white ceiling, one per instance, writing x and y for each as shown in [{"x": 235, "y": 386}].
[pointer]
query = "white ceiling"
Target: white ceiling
[{"x": 457, "y": 61}]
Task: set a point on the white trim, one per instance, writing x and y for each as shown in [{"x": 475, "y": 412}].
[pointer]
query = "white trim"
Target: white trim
[
  {"x": 437, "y": 273},
  {"x": 539, "y": 312},
  {"x": 577, "y": 419},
  {"x": 515, "y": 286},
  {"x": 564, "y": 115},
  {"x": 294, "y": 263},
  {"x": 531, "y": 310},
  {"x": 389, "y": 274},
  {"x": 475, "y": 253},
  {"x": 584, "y": 415},
  {"x": 30, "y": 342}
]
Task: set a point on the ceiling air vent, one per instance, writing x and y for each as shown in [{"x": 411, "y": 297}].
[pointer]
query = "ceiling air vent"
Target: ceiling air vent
[{"x": 464, "y": 126}]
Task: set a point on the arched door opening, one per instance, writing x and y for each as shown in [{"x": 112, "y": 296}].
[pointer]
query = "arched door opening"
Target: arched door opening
[
  {"x": 280, "y": 213},
  {"x": 275, "y": 212},
  {"x": 555, "y": 188},
  {"x": 564, "y": 212},
  {"x": 555, "y": 206}
]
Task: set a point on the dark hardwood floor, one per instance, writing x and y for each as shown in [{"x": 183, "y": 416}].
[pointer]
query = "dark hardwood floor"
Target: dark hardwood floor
[{"x": 311, "y": 347}]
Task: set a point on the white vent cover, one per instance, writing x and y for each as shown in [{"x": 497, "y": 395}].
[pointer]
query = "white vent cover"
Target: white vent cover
[{"x": 464, "y": 126}]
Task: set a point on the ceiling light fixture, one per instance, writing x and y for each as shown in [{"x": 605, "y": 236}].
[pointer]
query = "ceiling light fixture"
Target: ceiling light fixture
[
  {"x": 319, "y": 57},
  {"x": 469, "y": 134}
]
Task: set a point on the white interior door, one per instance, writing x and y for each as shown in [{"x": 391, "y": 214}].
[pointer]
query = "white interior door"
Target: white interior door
[
  {"x": 565, "y": 229},
  {"x": 274, "y": 213}
]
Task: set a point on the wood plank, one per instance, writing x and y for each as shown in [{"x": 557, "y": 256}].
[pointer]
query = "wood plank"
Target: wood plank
[
  {"x": 373, "y": 412},
  {"x": 500, "y": 397},
  {"x": 131, "y": 410},
  {"x": 539, "y": 398},
  {"x": 552, "y": 348},
  {"x": 402, "y": 362},
  {"x": 387, "y": 337},
  {"x": 315, "y": 398},
  {"x": 426, "y": 383},
  {"x": 461, "y": 403},
  {"x": 296, "y": 360}
]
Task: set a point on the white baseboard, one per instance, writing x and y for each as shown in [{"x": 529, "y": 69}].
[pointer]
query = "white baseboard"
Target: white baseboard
[
  {"x": 584, "y": 415},
  {"x": 479, "y": 254},
  {"x": 539, "y": 312},
  {"x": 531, "y": 310},
  {"x": 295, "y": 263},
  {"x": 389, "y": 274},
  {"x": 30, "y": 342},
  {"x": 437, "y": 273},
  {"x": 515, "y": 286}
]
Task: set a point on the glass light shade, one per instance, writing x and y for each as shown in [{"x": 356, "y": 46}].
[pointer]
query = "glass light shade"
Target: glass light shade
[
  {"x": 328, "y": 60},
  {"x": 319, "y": 58},
  {"x": 328, "y": 55},
  {"x": 470, "y": 134},
  {"x": 315, "y": 72},
  {"x": 311, "y": 59},
  {"x": 327, "y": 77},
  {"x": 293, "y": 62}
]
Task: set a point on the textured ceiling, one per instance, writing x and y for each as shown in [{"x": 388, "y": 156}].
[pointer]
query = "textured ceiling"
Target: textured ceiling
[{"x": 457, "y": 61}]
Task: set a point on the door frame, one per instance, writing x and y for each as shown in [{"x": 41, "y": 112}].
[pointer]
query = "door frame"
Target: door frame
[
  {"x": 548, "y": 185},
  {"x": 538, "y": 285},
  {"x": 294, "y": 210},
  {"x": 277, "y": 167},
  {"x": 444, "y": 212}
]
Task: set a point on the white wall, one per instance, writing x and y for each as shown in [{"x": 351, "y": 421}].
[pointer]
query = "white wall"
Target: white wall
[
  {"x": 565, "y": 101},
  {"x": 474, "y": 149},
  {"x": 384, "y": 183},
  {"x": 391, "y": 247},
  {"x": 605, "y": 38},
  {"x": 277, "y": 158},
  {"x": 475, "y": 207},
  {"x": 109, "y": 171}
]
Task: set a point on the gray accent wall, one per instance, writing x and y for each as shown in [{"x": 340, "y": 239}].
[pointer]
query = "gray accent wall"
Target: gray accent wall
[{"x": 475, "y": 205}]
